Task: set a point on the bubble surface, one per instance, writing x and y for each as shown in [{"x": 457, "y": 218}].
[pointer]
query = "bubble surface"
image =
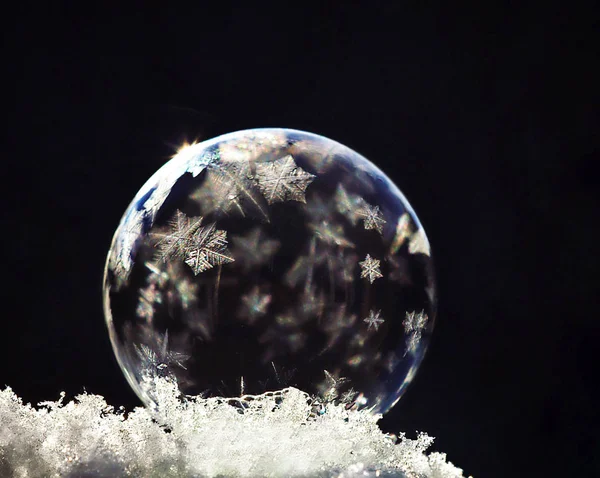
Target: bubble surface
[{"x": 270, "y": 258}]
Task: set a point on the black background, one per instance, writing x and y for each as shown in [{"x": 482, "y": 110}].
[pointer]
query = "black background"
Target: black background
[{"x": 486, "y": 118}]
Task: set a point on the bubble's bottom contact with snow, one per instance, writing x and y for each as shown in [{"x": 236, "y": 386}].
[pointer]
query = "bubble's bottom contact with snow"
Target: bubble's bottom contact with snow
[{"x": 275, "y": 434}]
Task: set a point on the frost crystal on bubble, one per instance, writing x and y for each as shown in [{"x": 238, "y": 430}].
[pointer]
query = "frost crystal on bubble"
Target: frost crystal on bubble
[
  {"x": 159, "y": 356},
  {"x": 254, "y": 304},
  {"x": 330, "y": 387},
  {"x": 373, "y": 219},
  {"x": 228, "y": 188},
  {"x": 348, "y": 396},
  {"x": 414, "y": 324},
  {"x": 176, "y": 242},
  {"x": 253, "y": 249},
  {"x": 415, "y": 321},
  {"x": 304, "y": 266},
  {"x": 208, "y": 249},
  {"x": 374, "y": 320},
  {"x": 349, "y": 205},
  {"x": 337, "y": 324},
  {"x": 370, "y": 269},
  {"x": 282, "y": 180},
  {"x": 419, "y": 244},
  {"x": 403, "y": 231},
  {"x": 331, "y": 234}
]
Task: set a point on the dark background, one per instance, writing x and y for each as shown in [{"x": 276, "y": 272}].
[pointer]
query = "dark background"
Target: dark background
[{"x": 486, "y": 118}]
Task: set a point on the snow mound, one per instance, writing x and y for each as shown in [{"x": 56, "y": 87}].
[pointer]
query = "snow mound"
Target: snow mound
[{"x": 277, "y": 434}]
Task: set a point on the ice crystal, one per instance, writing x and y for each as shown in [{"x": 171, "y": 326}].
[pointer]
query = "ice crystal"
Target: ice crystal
[
  {"x": 330, "y": 388},
  {"x": 120, "y": 261},
  {"x": 373, "y": 219},
  {"x": 276, "y": 434},
  {"x": 208, "y": 249},
  {"x": 175, "y": 243},
  {"x": 414, "y": 324},
  {"x": 150, "y": 295},
  {"x": 186, "y": 292},
  {"x": 318, "y": 209},
  {"x": 200, "y": 247},
  {"x": 343, "y": 265},
  {"x": 304, "y": 265},
  {"x": 253, "y": 249},
  {"x": 282, "y": 180},
  {"x": 370, "y": 269},
  {"x": 254, "y": 304},
  {"x": 403, "y": 231},
  {"x": 337, "y": 324},
  {"x": 228, "y": 188},
  {"x": 331, "y": 234},
  {"x": 253, "y": 145},
  {"x": 419, "y": 244},
  {"x": 415, "y": 321},
  {"x": 374, "y": 320},
  {"x": 399, "y": 270},
  {"x": 349, "y": 205},
  {"x": 312, "y": 302},
  {"x": 348, "y": 396},
  {"x": 159, "y": 356}
]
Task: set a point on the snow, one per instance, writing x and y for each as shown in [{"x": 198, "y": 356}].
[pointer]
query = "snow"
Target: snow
[{"x": 277, "y": 434}]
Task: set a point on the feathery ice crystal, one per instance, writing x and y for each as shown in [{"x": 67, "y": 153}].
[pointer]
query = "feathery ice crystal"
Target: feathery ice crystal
[
  {"x": 276, "y": 434},
  {"x": 265, "y": 259}
]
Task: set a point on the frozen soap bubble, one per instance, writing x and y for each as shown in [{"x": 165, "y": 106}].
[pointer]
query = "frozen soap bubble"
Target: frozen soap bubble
[{"x": 270, "y": 258}]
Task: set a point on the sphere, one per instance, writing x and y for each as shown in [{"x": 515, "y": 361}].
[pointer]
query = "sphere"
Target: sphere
[{"x": 270, "y": 258}]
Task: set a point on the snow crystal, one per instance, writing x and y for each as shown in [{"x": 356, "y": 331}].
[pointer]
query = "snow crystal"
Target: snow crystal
[{"x": 274, "y": 434}]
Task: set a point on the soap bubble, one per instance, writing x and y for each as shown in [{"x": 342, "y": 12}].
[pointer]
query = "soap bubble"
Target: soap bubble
[{"x": 265, "y": 259}]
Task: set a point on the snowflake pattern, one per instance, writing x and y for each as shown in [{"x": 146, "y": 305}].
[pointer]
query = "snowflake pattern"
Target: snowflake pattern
[
  {"x": 228, "y": 188},
  {"x": 415, "y": 321},
  {"x": 373, "y": 219},
  {"x": 282, "y": 180},
  {"x": 330, "y": 388},
  {"x": 159, "y": 357},
  {"x": 208, "y": 249},
  {"x": 374, "y": 319},
  {"x": 370, "y": 269},
  {"x": 414, "y": 324},
  {"x": 332, "y": 234},
  {"x": 254, "y": 304},
  {"x": 253, "y": 249},
  {"x": 348, "y": 396},
  {"x": 175, "y": 243},
  {"x": 200, "y": 247}
]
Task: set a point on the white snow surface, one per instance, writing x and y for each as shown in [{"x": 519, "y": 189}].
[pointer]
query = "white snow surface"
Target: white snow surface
[{"x": 277, "y": 434}]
